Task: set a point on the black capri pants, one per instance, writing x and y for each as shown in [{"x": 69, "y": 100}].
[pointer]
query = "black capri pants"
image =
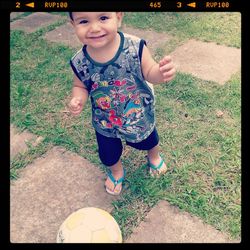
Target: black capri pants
[{"x": 110, "y": 149}]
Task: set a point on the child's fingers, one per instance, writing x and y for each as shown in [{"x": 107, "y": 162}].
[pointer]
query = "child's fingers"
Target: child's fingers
[
  {"x": 165, "y": 60},
  {"x": 169, "y": 75},
  {"x": 75, "y": 102},
  {"x": 75, "y": 112},
  {"x": 166, "y": 67},
  {"x": 75, "y": 106}
]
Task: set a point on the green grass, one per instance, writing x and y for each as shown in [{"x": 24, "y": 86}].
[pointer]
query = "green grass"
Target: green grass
[{"x": 202, "y": 150}]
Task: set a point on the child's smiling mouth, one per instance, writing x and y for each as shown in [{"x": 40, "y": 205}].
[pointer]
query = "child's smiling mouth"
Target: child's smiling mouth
[{"x": 97, "y": 37}]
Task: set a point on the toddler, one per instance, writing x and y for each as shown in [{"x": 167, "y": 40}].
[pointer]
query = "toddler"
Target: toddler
[{"x": 113, "y": 69}]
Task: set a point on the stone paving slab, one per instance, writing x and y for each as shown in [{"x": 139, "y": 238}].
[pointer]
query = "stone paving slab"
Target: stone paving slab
[
  {"x": 19, "y": 141},
  {"x": 64, "y": 34},
  {"x": 207, "y": 60},
  {"x": 153, "y": 39},
  {"x": 48, "y": 190},
  {"x": 14, "y": 15},
  {"x": 35, "y": 21},
  {"x": 167, "y": 224}
]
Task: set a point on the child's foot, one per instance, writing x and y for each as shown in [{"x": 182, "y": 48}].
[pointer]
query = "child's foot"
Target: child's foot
[
  {"x": 114, "y": 181},
  {"x": 157, "y": 166}
]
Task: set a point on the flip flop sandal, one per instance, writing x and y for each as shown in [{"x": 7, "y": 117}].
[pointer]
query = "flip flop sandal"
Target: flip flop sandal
[
  {"x": 116, "y": 182},
  {"x": 156, "y": 168}
]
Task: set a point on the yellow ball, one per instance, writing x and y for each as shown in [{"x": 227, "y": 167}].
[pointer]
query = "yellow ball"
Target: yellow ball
[{"x": 89, "y": 225}]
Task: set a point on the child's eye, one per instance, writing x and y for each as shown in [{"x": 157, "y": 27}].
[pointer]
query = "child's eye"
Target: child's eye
[
  {"x": 83, "y": 21},
  {"x": 103, "y": 18}
]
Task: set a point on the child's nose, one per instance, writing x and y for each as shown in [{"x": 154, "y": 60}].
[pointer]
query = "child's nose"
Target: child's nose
[{"x": 95, "y": 27}]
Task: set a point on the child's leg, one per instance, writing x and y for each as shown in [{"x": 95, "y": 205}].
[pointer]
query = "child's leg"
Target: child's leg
[
  {"x": 110, "y": 151},
  {"x": 117, "y": 172},
  {"x": 155, "y": 159},
  {"x": 151, "y": 144}
]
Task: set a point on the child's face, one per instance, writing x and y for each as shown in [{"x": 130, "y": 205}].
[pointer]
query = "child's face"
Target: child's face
[{"x": 96, "y": 29}]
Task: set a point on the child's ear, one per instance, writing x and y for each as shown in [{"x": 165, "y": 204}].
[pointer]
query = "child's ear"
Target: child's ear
[{"x": 119, "y": 18}]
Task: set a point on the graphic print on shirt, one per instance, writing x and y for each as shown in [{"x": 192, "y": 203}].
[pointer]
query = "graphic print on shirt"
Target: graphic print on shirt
[{"x": 117, "y": 104}]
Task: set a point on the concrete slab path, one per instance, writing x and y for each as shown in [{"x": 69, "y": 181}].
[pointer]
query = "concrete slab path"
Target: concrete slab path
[
  {"x": 65, "y": 35},
  {"x": 51, "y": 188},
  {"x": 14, "y": 15},
  {"x": 208, "y": 61},
  {"x": 167, "y": 224},
  {"x": 34, "y": 21}
]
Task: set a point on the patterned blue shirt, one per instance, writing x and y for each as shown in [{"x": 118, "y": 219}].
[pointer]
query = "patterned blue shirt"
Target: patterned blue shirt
[{"x": 122, "y": 101}]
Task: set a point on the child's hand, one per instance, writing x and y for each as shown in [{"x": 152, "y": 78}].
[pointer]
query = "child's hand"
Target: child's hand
[
  {"x": 167, "y": 68},
  {"x": 75, "y": 106}
]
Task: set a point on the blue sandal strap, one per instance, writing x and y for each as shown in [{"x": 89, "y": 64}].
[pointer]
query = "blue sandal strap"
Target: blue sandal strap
[
  {"x": 112, "y": 178},
  {"x": 151, "y": 165}
]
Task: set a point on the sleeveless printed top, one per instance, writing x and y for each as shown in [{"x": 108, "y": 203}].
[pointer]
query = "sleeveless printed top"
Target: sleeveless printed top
[{"x": 122, "y": 101}]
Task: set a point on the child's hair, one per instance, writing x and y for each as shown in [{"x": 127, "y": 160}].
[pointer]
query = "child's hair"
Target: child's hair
[{"x": 71, "y": 16}]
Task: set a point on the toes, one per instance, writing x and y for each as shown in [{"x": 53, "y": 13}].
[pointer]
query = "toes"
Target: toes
[
  {"x": 112, "y": 188},
  {"x": 159, "y": 172},
  {"x": 115, "y": 191},
  {"x": 118, "y": 189}
]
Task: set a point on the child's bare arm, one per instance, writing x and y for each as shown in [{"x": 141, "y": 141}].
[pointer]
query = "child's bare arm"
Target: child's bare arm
[
  {"x": 79, "y": 96},
  {"x": 164, "y": 71}
]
